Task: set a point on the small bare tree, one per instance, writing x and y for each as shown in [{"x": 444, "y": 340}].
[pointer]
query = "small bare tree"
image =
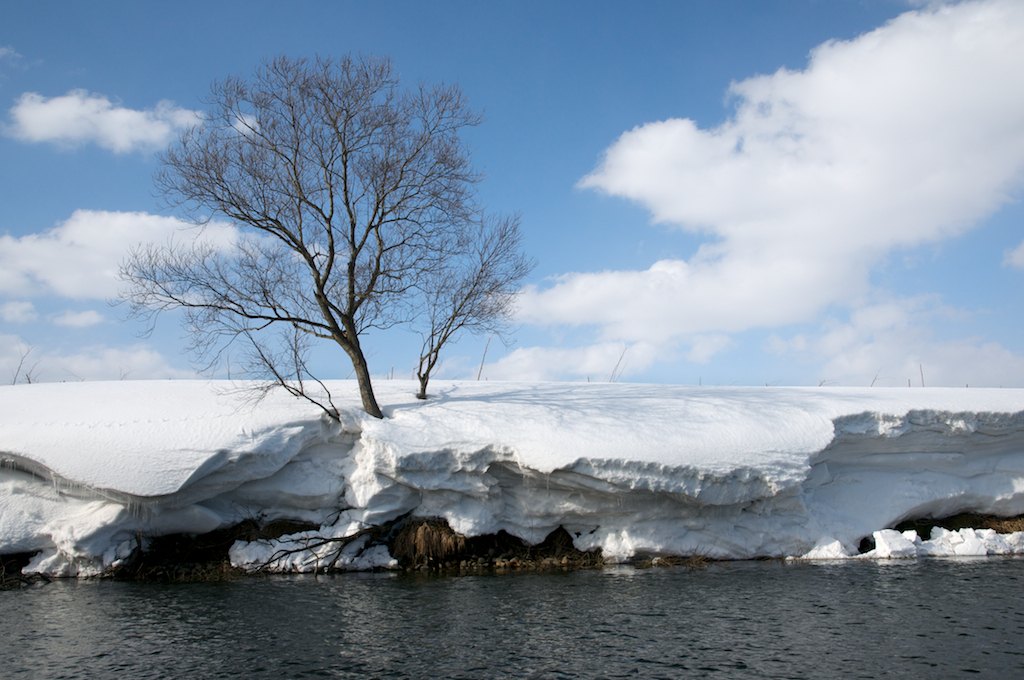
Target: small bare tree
[
  {"x": 473, "y": 290},
  {"x": 347, "y": 189},
  {"x": 24, "y": 372}
]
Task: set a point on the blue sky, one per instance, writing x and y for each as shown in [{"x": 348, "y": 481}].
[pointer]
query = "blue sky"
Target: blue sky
[{"x": 792, "y": 193}]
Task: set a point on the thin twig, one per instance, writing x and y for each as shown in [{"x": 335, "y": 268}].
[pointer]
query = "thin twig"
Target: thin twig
[{"x": 483, "y": 359}]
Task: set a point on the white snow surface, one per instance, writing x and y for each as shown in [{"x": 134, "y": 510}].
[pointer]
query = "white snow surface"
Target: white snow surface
[{"x": 91, "y": 469}]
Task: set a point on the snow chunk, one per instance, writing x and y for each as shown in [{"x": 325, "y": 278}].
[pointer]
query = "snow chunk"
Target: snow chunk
[
  {"x": 826, "y": 549},
  {"x": 890, "y": 544}
]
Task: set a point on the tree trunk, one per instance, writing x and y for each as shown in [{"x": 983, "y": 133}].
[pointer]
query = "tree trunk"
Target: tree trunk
[
  {"x": 424, "y": 379},
  {"x": 355, "y": 352},
  {"x": 349, "y": 341},
  {"x": 365, "y": 388}
]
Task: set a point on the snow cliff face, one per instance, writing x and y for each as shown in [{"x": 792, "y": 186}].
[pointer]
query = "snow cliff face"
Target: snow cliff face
[{"x": 91, "y": 469}]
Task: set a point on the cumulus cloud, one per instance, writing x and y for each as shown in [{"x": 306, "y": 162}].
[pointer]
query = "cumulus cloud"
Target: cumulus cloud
[
  {"x": 79, "y": 319},
  {"x": 79, "y": 117},
  {"x": 79, "y": 258},
  {"x": 906, "y": 135},
  {"x": 17, "y": 311}
]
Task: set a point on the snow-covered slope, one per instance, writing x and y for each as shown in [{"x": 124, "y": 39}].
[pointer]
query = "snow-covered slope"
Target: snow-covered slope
[{"x": 727, "y": 472}]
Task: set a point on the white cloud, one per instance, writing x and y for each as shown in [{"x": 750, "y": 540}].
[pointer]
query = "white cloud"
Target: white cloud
[
  {"x": 79, "y": 258},
  {"x": 9, "y": 58},
  {"x": 80, "y": 117},
  {"x": 18, "y": 360},
  {"x": 1015, "y": 257},
  {"x": 137, "y": 362},
  {"x": 596, "y": 362},
  {"x": 675, "y": 297},
  {"x": 704, "y": 347},
  {"x": 17, "y": 311},
  {"x": 79, "y": 319},
  {"x": 906, "y": 135},
  {"x": 891, "y": 344}
]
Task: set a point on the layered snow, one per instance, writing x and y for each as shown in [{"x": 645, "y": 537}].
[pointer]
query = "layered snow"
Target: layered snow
[{"x": 90, "y": 470}]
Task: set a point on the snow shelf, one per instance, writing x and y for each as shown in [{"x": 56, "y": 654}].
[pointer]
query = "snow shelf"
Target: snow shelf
[{"x": 724, "y": 472}]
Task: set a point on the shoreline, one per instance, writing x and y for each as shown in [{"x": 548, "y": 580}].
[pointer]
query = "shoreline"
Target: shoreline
[{"x": 425, "y": 546}]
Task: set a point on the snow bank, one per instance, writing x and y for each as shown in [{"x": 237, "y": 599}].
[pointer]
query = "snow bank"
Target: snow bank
[
  {"x": 943, "y": 543},
  {"x": 88, "y": 468}
]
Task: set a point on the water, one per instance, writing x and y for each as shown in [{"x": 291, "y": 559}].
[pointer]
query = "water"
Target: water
[{"x": 929, "y": 618}]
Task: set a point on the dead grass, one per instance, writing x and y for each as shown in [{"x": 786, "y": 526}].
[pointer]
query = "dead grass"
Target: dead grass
[
  {"x": 427, "y": 543},
  {"x": 430, "y": 545},
  {"x": 1005, "y": 526}
]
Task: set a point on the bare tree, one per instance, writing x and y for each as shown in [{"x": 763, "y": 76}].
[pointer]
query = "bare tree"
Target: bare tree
[
  {"x": 22, "y": 371},
  {"x": 347, "y": 188},
  {"x": 473, "y": 290}
]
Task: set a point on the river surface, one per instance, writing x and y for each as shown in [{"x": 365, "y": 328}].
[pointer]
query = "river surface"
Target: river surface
[{"x": 933, "y": 618}]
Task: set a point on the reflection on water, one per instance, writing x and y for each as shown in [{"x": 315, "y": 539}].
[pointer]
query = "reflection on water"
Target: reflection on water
[{"x": 927, "y": 618}]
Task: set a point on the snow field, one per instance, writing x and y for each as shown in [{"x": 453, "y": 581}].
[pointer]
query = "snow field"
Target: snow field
[{"x": 90, "y": 469}]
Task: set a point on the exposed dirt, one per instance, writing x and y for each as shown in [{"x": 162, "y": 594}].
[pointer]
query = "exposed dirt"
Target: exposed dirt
[
  {"x": 10, "y": 572},
  {"x": 419, "y": 545},
  {"x": 430, "y": 545},
  {"x": 1002, "y": 525},
  {"x": 186, "y": 558}
]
